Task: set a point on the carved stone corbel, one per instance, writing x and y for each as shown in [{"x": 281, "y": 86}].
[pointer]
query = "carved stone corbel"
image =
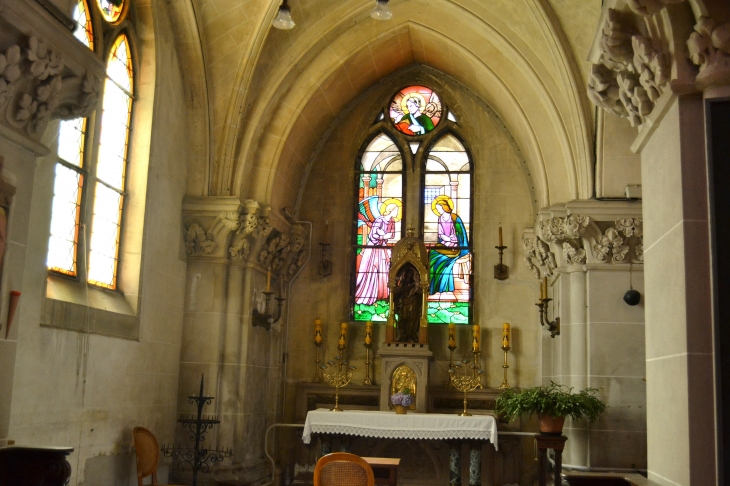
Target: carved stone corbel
[
  {"x": 631, "y": 73},
  {"x": 709, "y": 48},
  {"x": 36, "y": 87}
]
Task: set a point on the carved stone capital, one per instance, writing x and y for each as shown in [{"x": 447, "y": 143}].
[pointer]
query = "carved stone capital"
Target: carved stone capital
[
  {"x": 209, "y": 223},
  {"x": 568, "y": 239}
]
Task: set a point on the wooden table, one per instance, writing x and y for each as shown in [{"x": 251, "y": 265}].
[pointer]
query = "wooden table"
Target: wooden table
[
  {"x": 385, "y": 470},
  {"x": 556, "y": 443}
]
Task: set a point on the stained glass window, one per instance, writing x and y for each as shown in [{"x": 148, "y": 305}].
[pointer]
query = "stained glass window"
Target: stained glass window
[
  {"x": 379, "y": 217},
  {"x": 84, "y": 32},
  {"x": 447, "y": 230},
  {"x": 111, "y": 165},
  {"x": 66, "y": 205},
  {"x": 415, "y": 110},
  {"x": 111, "y": 10}
]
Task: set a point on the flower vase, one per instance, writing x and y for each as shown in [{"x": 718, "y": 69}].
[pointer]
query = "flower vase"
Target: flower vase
[{"x": 401, "y": 410}]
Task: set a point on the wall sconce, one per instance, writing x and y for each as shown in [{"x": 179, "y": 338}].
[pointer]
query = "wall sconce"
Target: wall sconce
[
  {"x": 501, "y": 272},
  {"x": 266, "y": 319},
  {"x": 325, "y": 266},
  {"x": 543, "y": 304}
]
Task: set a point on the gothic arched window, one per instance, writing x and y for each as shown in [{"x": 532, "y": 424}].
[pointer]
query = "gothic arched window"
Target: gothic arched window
[
  {"x": 416, "y": 118},
  {"x": 446, "y": 223},
  {"x": 380, "y": 183},
  {"x": 101, "y": 181}
]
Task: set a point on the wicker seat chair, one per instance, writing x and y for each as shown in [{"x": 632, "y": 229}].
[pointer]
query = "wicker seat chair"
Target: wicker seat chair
[
  {"x": 343, "y": 469},
  {"x": 147, "y": 451}
]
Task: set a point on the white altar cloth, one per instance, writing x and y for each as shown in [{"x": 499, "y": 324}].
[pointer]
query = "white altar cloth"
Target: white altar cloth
[{"x": 390, "y": 425}]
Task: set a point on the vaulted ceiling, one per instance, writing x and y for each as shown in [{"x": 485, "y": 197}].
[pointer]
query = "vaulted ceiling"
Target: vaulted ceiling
[{"x": 269, "y": 95}]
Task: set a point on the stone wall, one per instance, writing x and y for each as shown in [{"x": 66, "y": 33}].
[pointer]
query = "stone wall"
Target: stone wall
[{"x": 88, "y": 390}]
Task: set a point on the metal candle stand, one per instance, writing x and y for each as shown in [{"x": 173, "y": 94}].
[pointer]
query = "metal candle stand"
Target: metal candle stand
[
  {"x": 265, "y": 319},
  {"x": 198, "y": 457},
  {"x": 367, "y": 380},
  {"x": 465, "y": 381},
  {"x": 504, "y": 384}
]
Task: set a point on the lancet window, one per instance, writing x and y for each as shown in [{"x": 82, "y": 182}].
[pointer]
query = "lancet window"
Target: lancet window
[
  {"x": 444, "y": 170},
  {"x": 89, "y": 191}
]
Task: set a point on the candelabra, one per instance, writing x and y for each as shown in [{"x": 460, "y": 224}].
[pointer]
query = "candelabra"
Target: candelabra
[
  {"x": 465, "y": 381},
  {"x": 198, "y": 457},
  {"x": 325, "y": 266},
  {"x": 504, "y": 384},
  {"x": 501, "y": 271},
  {"x": 338, "y": 374},
  {"x": 552, "y": 326},
  {"x": 266, "y": 319}
]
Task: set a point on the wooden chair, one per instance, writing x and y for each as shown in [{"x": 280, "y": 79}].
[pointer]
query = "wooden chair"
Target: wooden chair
[
  {"x": 343, "y": 469},
  {"x": 147, "y": 451}
]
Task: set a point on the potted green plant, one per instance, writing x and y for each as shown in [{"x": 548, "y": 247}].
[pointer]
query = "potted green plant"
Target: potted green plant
[{"x": 552, "y": 404}]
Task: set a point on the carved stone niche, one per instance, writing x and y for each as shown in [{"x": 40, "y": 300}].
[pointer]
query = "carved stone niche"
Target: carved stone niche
[{"x": 414, "y": 356}]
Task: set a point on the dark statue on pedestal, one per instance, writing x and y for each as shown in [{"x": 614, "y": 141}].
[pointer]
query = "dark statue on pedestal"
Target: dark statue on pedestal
[{"x": 407, "y": 303}]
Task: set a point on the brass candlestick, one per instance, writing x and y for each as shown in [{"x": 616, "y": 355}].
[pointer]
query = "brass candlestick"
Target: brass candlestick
[
  {"x": 465, "y": 381},
  {"x": 476, "y": 370},
  {"x": 504, "y": 384},
  {"x": 317, "y": 370},
  {"x": 367, "y": 380},
  {"x": 452, "y": 347},
  {"x": 501, "y": 271},
  {"x": 338, "y": 376}
]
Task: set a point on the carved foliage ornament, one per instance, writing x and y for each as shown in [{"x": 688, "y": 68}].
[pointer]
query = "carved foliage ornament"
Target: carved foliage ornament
[
  {"x": 709, "y": 48},
  {"x": 632, "y": 72},
  {"x": 254, "y": 240},
  {"x": 33, "y": 89},
  {"x": 575, "y": 235}
]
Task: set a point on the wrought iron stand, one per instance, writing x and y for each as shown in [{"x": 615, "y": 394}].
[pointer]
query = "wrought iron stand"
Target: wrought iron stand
[{"x": 198, "y": 457}]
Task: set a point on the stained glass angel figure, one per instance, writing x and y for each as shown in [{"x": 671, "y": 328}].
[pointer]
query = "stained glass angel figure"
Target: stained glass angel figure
[
  {"x": 415, "y": 110},
  {"x": 374, "y": 260}
]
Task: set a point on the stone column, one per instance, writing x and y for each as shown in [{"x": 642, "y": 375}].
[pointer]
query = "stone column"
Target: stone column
[
  {"x": 588, "y": 249},
  {"x": 232, "y": 245}
]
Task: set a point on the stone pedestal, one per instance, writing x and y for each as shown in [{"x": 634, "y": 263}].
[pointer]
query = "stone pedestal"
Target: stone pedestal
[{"x": 416, "y": 357}]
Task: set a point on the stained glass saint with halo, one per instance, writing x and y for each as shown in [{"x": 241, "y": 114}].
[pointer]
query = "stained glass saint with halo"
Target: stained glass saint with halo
[
  {"x": 379, "y": 218},
  {"x": 447, "y": 230},
  {"x": 415, "y": 110},
  {"x": 111, "y": 10}
]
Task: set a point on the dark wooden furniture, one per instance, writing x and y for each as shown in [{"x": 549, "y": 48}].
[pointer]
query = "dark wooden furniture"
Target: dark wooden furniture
[
  {"x": 34, "y": 466},
  {"x": 556, "y": 443},
  {"x": 385, "y": 470}
]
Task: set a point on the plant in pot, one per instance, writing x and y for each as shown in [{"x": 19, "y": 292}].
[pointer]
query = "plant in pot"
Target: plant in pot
[
  {"x": 402, "y": 400},
  {"x": 552, "y": 404}
]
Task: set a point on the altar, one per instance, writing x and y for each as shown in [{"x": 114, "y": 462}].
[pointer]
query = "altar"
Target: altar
[{"x": 456, "y": 430}]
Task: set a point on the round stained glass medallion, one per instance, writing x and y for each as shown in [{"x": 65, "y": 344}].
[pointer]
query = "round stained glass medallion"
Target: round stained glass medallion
[
  {"x": 415, "y": 110},
  {"x": 112, "y": 10}
]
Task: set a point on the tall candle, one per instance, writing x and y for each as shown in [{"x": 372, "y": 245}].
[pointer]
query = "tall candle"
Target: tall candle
[
  {"x": 544, "y": 281},
  {"x": 317, "y": 331},
  {"x": 326, "y": 230},
  {"x": 268, "y": 281},
  {"x": 452, "y": 335},
  {"x": 369, "y": 332},
  {"x": 475, "y": 338},
  {"x": 343, "y": 335},
  {"x": 500, "y": 235},
  {"x": 505, "y": 335}
]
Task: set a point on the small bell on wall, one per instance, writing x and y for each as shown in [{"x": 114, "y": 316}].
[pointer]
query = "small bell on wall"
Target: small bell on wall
[{"x": 632, "y": 297}]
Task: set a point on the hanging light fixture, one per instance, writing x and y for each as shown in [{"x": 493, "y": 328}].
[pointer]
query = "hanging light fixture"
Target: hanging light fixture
[
  {"x": 381, "y": 11},
  {"x": 283, "y": 19}
]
